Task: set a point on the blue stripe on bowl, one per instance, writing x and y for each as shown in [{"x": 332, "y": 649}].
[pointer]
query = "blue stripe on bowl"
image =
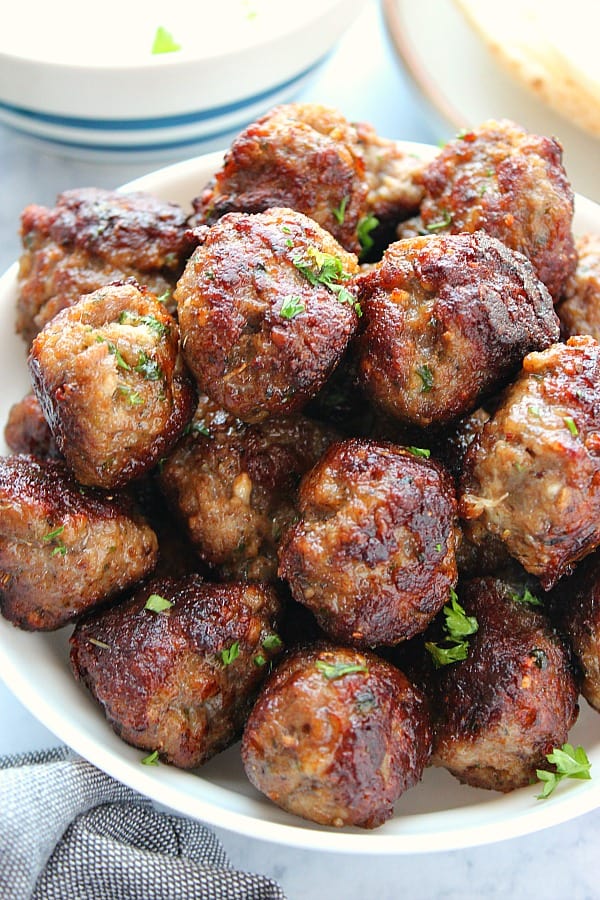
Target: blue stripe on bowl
[
  {"x": 162, "y": 121},
  {"x": 132, "y": 148}
]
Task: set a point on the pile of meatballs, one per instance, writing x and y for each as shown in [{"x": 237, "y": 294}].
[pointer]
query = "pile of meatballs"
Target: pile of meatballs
[{"x": 317, "y": 464}]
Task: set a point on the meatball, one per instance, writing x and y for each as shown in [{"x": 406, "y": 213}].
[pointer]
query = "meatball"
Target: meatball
[
  {"x": 64, "y": 548},
  {"x": 234, "y": 486},
  {"x": 266, "y": 311},
  {"x": 448, "y": 319},
  {"x": 532, "y": 476},
  {"x": 579, "y": 313},
  {"x": 373, "y": 553},
  {"x": 497, "y": 713},
  {"x": 93, "y": 237},
  {"x": 177, "y": 666},
  {"x": 300, "y": 155},
  {"x": 336, "y": 736},
  {"x": 394, "y": 192},
  {"x": 109, "y": 377},
  {"x": 511, "y": 184},
  {"x": 576, "y": 603},
  {"x": 27, "y": 431}
]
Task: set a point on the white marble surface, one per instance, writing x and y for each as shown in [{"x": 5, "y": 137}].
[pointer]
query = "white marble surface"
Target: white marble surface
[{"x": 365, "y": 81}]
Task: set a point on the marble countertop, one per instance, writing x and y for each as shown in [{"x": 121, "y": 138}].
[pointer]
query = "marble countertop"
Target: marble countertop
[{"x": 364, "y": 79}]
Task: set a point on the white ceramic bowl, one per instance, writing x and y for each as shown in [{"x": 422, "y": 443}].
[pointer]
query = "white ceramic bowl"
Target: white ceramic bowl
[
  {"x": 438, "y": 814},
  {"x": 90, "y": 84}
]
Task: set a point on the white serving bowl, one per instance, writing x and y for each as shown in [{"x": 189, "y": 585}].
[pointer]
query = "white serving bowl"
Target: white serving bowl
[
  {"x": 439, "y": 814},
  {"x": 90, "y": 84}
]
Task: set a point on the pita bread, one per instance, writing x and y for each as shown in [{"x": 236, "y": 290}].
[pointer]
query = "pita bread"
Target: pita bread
[{"x": 551, "y": 47}]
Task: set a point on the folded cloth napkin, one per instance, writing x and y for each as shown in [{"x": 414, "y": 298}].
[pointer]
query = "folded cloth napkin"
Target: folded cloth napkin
[{"x": 70, "y": 832}]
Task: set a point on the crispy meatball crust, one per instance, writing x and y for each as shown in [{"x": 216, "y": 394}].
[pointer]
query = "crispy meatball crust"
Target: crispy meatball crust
[
  {"x": 576, "y": 603},
  {"x": 109, "y": 377},
  {"x": 93, "y": 237},
  {"x": 234, "y": 486},
  {"x": 336, "y": 736},
  {"x": 180, "y": 682},
  {"x": 532, "y": 476},
  {"x": 448, "y": 319},
  {"x": 63, "y": 548},
  {"x": 500, "y": 179},
  {"x": 264, "y": 312},
  {"x": 27, "y": 431},
  {"x": 373, "y": 553},
  {"x": 513, "y": 700},
  {"x": 300, "y": 155},
  {"x": 579, "y": 313}
]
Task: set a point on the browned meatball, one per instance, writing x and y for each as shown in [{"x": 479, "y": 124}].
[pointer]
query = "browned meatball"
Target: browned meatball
[
  {"x": 177, "y": 667},
  {"x": 265, "y": 311},
  {"x": 391, "y": 173},
  {"x": 301, "y": 155},
  {"x": 579, "y": 313},
  {"x": 532, "y": 477},
  {"x": 336, "y": 736},
  {"x": 511, "y": 184},
  {"x": 64, "y": 548},
  {"x": 27, "y": 431},
  {"x": 93, "y": 237},
  {"x": 448, "y": 319},
  {"x": 576, "y": 603},
  {"x": 373, "y": 554},
  {"x": 511, "y": 701},
  {"x": 109, "y": 377},
  {"x": 234, "y": 486}
]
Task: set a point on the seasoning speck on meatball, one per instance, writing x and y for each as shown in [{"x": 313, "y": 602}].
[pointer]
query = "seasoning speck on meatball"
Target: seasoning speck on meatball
[{"x": 336, "y": 736}]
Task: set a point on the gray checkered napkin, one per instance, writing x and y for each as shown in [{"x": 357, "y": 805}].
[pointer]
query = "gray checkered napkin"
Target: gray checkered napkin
[{"x": 70, "y": 832}]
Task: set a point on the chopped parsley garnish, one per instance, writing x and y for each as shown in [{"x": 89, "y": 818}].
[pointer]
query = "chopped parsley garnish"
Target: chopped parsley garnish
[
  {"x": 164, "y": 42},
  {"x": 420, "y": 451},
  {"x": 340, "y": 211},
  {"x": 438, "y": 548},
  {"x": 134, "y": 398},
  {"x": 326, "y": 269},
  {"x": 130, "y": 318},
  {"x": 230, "y": 653},
  {"x": 363, "y": 231},
  {"x": 259, "y": 660},
  {"x": 156, "y": 603},
  {"x": 199, "y": 427},
  {"x": 112, "y": 348},
  {"x": 570, "y": 423},
  {"x": 291, "y": 307},
  {"x": 439, "y": 224},
  {"x": 426, "y": 376},
  {"x": 53, "y": 536},
  {"x": 458, "y": 626},
  {"x": 148, "y": 367},
  {"x": 331, "y": 671},
  {"x": 151, "y": 759},
  {"x": 526, "y": 597},
  {"x": 570, "y": 762},
  {"x": 272, "y": 642}
]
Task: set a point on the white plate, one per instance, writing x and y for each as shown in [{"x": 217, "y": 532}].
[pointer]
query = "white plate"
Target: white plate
[
  {"x": 438, "y": 814},
  {"x": 465, "y": 83}
]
